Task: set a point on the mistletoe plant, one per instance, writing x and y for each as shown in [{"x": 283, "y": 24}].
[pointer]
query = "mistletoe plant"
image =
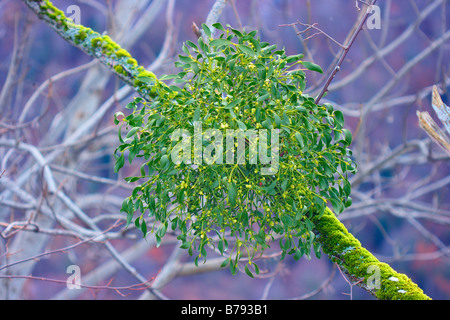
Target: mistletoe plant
[{"x": 241, "y": 85}]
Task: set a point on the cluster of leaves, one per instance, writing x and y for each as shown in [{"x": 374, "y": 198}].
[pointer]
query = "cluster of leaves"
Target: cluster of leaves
[{"x": 236, "y": 82}]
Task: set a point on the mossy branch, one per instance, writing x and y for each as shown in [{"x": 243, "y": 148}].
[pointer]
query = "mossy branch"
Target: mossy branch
[
  {"x": 361, "y": 267},
  {"x": 96, "y": 45}
]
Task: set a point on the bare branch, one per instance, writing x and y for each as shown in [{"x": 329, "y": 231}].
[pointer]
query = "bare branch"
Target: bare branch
[{"x": 343, "y": 55}]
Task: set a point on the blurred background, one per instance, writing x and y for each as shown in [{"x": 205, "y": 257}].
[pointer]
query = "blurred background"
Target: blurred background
[{"x": 59, "y": 104}]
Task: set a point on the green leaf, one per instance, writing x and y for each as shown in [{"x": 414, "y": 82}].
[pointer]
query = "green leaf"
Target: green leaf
[
  {"x": 144, "y": 227},
  {"x": 233, "y": 268},
  {"x": 323, "y": 183},
  {"x": 130, "y": 105},
  {"x": 207, "y": 30},
  {"x": 267, "y": 124},
  {"x": 129, "y": 213},
  {"x": 116, "y": 121},
  {"x": 132, "y": 132},
  {"x": 232, "y": 194},
  {"x": 147, "y": 80},
  {"x": 136, "y": 222},
  {"x": 263, "y": 97},
  {"x": 348, "y": 202},
  {"x": 312, "y": 66},
  {"x": 174, "y": 223},
  {"x": 169, "y": 77},
  {"x": 338, "y": 207},
  {"x": 317, "y": 251},
  {"x": 194, "y": 67},
  {"x": 286, "y": 121},
  {"x": 277, "y": 120},
  {"x": 129, "y": 218},
  {"x": 220, "y": 42},
  {"x": 269, "y": 48},
  {"x": 185, "y": 49},
  {"x": 298, "y": 254},
  {"x": 271, "y": 188},
  {"x": 256, "y": 268},
  {"x": 241, "y": 125},
  {"x": 191, "y": 44},
  {"x": 220, "y": 246},
  {"x": 142, "y": 169},
  {"x": 197, "y": 114},
  {"x": 294, "y": 58},
  {"x": 202, "y": 45},
  {"x": 119, "y": 163},
  {"x": 184, "y": 59},
  {"x": 203, "y": 251},
  {"x": 347, "y": 187},
  {"x": 246, "y": 49},
  {"x": 131, "y": 179},
  {"x": 158, "y": 240},
  {"x": 284, "y": 184},
  {"x": 160, "y": 121},
  {"x": 219, "y": 26},
  {"x": 339, "y": 116},
  {"x": 185, "y": 245},
  {"x": 256, "y": 44},
  {"x": 347, "y": 136},
  {"x": 301, "y": 109},
  {"x": 162, "y": 230},
  {"x": 164, "y": 161},
  {"x": 232, "y": 104},
  {"x": 248, "y": 272},
  {"x": 236, "y": 32},
  {"x": 225, "y": 263},
  {"x": 300, "y": 140}
]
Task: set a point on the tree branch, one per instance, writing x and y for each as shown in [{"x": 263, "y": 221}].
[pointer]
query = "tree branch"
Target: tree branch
[
  {"x": 98, "y": 46},
  {"x": 214, "y": 15},
  {"x": 360, "y": 265},
  {"x": 345, "y": 50}
]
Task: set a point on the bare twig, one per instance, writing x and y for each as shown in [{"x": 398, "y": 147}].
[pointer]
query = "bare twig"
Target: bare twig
[
  {"x": 313, "y": 26},
  {"x": 322, "y": 287},
  {"x": 77, "y": 244},
  {"x": 18, "y": 50},
  {"x": 343, "y": 55},
  {"x": 134, "y": 287},
  {"x": 351, "y": 284}
]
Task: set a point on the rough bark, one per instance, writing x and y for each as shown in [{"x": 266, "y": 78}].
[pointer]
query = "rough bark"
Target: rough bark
[
  {"x": 100, "y": 47},
  {"x": 361, "y": 266},
  {"x": 343, "y": 248}
]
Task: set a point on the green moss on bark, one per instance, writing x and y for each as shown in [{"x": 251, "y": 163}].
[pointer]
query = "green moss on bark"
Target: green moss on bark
[
  {"x": 101, "y": 47},
  {"x": 358, "y": 263},
  {"x": 122, "y": 53},
  {"x": 119, "y": 69}
]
